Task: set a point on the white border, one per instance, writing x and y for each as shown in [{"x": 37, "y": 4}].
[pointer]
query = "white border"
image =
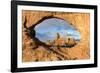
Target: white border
[{"x": 53, "y": 63}]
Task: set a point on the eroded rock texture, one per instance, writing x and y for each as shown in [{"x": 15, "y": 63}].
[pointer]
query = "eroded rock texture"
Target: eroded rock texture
[{"x": 81, "y": 21}]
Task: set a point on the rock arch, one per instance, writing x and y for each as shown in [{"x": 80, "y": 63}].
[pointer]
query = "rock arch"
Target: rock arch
[{"x": 81, "y": 21}]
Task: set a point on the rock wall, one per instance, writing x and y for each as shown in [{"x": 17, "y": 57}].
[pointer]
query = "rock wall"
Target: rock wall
[{"x": 81, "y": 21}]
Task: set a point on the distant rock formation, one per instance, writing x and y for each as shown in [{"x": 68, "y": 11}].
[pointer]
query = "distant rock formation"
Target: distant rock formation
[
  {"x": 70, "y": 42},
  {"x": 61, "y": 42}
]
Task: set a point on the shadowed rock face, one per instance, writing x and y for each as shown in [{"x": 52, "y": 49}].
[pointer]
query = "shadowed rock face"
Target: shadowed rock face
[
  {"x": 32, "y": 34},
  {"x": 80, "y": 21}
]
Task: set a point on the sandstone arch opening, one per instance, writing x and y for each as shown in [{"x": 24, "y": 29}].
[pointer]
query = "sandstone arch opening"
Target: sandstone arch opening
[
  {"x": 80, "y": 51},
  {"x": 57, "y": 32}
]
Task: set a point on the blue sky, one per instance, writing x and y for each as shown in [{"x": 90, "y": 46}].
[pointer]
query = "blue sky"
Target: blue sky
[{"x": 48, "y": 29}]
